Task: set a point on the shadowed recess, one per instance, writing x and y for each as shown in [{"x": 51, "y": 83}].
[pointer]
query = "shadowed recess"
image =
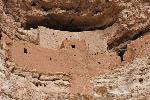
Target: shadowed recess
[{"x": 67, "y": 22}]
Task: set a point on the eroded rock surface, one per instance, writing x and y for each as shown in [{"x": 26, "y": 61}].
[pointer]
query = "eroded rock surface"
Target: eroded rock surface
[{"x": 74, "y": 50}]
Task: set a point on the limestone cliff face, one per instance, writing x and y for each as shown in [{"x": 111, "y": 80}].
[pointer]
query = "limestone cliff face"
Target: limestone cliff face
[{"x": 74, "y": 50}]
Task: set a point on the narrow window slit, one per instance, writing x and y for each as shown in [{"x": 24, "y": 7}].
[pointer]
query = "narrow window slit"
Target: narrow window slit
[
  {"x": 73, "y": 46},
  {"x": 25, "y": 51}
]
